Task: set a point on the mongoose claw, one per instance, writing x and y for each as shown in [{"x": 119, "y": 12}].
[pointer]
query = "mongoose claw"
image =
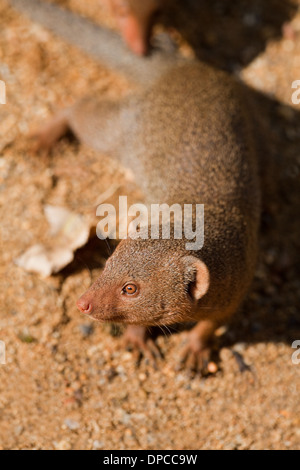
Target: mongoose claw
[
  {"x": 138, "y": 340},
  {"x": 198, "y": 360}
]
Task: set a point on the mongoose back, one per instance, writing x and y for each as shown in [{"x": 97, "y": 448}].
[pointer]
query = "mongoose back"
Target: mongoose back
[{"x": 187, "y": 136}]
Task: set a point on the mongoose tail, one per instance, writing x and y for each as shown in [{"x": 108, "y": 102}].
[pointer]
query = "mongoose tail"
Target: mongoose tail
[{"x": 102, "y": 44}]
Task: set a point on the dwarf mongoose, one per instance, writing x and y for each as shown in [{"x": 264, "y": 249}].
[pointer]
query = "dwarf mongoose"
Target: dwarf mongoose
[{"x": 187, "y": 136}]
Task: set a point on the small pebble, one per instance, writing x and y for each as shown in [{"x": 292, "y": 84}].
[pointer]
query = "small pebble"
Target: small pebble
[
  {"x": 72, "y": 424},
  {"x": 86, "y": 330}
]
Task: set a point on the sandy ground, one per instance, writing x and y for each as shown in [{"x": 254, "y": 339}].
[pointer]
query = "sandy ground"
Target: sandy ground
[{"x": 67, "y": 383}]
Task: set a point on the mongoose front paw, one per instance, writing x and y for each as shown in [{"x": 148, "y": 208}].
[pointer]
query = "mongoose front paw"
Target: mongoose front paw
[
  {"x": 198, "y": 359},
  {"x": 138, "y": 339}
]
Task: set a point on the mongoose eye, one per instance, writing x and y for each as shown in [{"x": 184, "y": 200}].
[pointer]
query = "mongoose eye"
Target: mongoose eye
[{"x": 130, "y": 289}]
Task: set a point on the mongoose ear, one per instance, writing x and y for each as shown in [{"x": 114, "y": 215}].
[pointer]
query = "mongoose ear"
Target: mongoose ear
[{"x": 197, "y": 276}]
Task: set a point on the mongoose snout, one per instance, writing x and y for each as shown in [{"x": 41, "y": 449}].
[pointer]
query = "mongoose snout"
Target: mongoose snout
[{"x": 84, "y": 305}]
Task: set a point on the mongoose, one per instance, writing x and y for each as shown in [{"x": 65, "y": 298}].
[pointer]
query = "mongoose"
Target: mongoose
[
  {"x": 135, "y": 19},
  {"x": 187, "y": 136}
]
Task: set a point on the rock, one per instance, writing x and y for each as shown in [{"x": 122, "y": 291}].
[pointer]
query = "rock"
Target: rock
[{"x": 72, "y": 424}]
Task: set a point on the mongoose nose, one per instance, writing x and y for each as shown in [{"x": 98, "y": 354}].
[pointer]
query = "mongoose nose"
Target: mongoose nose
[{"x": 84, "y": 305}]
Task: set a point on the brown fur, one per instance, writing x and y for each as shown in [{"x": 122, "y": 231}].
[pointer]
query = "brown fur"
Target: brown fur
[{"x": 188, "y": 139}]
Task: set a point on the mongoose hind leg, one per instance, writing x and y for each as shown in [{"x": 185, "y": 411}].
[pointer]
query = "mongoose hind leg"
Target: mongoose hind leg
[
  {"x": 197, "y": 355},
  {"x": 139, "y": 339},
  {"x": 50, "y": 133}
]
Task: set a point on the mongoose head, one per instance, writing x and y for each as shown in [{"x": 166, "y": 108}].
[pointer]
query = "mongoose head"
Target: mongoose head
[
  {"x": 147, "y": 282},
  {"x": 135, "y": 19}
]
